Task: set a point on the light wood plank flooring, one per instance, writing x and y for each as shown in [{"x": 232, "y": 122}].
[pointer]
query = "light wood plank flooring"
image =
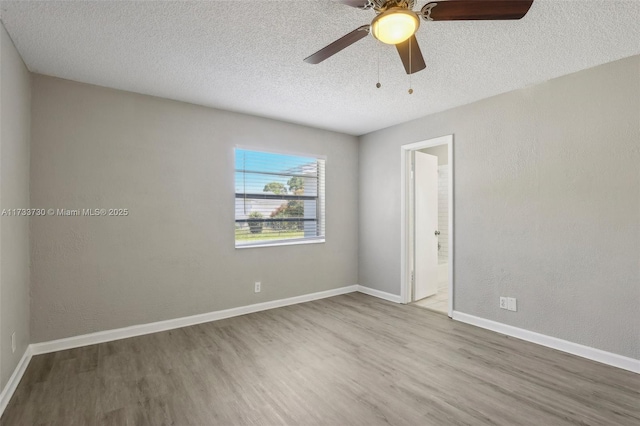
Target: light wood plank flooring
[{"x": 347, "y": 360}]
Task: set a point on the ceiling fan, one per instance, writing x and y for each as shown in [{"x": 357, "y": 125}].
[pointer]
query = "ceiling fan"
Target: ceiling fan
[{"x": 396, "y": 23}]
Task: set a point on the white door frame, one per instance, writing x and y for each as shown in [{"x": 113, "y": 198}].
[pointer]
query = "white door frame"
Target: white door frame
[{"x": 406, "y": 234}]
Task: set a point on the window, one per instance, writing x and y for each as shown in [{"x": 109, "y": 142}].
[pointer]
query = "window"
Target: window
[{"x": 279, "y": 198}]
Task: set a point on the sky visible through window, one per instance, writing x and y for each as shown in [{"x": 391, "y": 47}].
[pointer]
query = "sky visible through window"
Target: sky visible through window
[{"x": 254, "y": 183}]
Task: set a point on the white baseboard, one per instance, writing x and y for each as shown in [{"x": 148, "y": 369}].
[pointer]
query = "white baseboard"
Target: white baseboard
[
  {"x": 588, "y": 352},
  {"x": 138, "y": 330},
  {"x": 14, "y": 380},
  {"x": 380, "y": 294}
]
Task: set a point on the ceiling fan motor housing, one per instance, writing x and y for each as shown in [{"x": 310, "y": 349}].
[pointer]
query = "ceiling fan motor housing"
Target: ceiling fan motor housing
[{"x": 388, "y": 4}]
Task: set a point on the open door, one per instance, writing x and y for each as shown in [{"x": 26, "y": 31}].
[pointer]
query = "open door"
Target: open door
[{"x": 426, "y": 225}]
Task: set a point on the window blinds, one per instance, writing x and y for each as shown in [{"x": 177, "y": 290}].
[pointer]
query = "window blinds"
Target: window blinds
[{"x": 278, "y": 198}]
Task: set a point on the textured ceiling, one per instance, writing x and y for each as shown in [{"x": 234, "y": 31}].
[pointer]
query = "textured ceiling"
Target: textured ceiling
[{"x": 247, "y": 56}]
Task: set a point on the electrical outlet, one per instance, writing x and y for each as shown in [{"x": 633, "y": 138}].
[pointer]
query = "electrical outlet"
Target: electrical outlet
[
  {"x": 511, "y": 304},
  {"x": 503, "y": 303},
  {"x": 13, "y": 342},
  {"x": 257, "y": 287}
]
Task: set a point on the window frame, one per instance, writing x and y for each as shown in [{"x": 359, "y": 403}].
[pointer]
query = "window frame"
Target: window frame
[{"x": 320, "y": 199}]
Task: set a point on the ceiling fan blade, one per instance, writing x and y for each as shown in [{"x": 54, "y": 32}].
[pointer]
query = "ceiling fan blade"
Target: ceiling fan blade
[
  {"x": 360, "y": 4},
  {"x": 463, "y": 10},
  {"x": 413, "y": 62},
  {"x": 338, "y": 45}
]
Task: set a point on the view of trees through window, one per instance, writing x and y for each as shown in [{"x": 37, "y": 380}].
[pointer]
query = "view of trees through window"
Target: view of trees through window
[{"x": 278, "y": 197}]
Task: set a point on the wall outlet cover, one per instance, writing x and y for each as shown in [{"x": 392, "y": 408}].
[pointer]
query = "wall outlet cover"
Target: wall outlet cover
[
  {"x": 511, "y": 303},
  {"x": 13, "y": 342},
  {"x": 257, "y": 287},
  {"x": 503, "y": 303}
]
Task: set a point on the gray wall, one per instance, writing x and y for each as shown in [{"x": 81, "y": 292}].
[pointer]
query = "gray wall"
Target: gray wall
[
  {"x": 171, "y": 164},
  {"x": 547, "y": 206},
  {"x": 15, "y": 113}
]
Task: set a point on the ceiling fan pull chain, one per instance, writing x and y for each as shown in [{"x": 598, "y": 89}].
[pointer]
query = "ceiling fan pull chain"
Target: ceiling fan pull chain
[
  {"x": 378, "y": 85},
  {"x": 410, "y": 88}
]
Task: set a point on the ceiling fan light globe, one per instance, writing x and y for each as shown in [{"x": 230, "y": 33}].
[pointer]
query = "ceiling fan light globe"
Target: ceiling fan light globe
[{"x": 395, "y": 25}]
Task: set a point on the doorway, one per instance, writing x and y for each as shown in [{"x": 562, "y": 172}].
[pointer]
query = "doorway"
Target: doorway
[{"x": 427, "y": 224}]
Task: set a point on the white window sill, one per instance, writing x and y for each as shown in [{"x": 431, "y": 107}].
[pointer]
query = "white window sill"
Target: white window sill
[{"x": 281, "y": 243}]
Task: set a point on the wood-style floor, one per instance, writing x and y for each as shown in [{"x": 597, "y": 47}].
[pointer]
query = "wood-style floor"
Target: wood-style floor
[{"x": 347, "y": 360}]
